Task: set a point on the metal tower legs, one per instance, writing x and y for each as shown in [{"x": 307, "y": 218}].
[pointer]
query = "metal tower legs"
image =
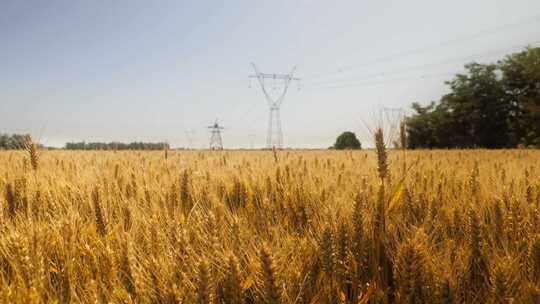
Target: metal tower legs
[
  {"x": 215, "y": 141},
  {"x": 275, "y": 134}
]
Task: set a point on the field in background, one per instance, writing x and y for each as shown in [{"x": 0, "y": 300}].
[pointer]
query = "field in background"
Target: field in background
[{"x": 259, "y": 227}]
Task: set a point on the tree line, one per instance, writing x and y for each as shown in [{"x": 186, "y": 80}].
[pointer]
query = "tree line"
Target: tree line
[
  {"x": 20, "y": 141},
  {"x": 13, "y": 141},
  {"x": 493, "y": 105},
  {"x": 116, "y": 146}
]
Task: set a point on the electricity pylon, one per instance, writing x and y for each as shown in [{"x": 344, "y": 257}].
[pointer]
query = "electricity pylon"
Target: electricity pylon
[
  {"x": 215, "y": 140},
  {"x": 390, "y": 120},
  {"x": 251, "y": 138},
  {"x": 275, "y": 134},
  {"x": 190, "y": 137}
]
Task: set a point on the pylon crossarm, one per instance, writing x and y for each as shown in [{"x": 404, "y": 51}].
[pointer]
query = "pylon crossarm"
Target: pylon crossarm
[
  {"x": 260, "y": 77},
  {"x": 282, "y": 96},
  {"x": 286, "y": 88},
  {"x": 274, "y": 76}
]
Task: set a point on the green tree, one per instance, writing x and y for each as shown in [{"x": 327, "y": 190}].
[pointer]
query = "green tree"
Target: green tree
[
  {"x": 476, "y": 109},
  {"x": 116, "y": 146},
  {"x": 521, "y": 84},
  {"x": 347, "y": 140},
  {"x": 489, "y": 106},
  {"x": 13, "y": 141},
  {"x": 422, "y": 127}
]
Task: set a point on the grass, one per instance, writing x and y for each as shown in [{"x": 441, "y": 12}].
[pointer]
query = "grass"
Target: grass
[{"x": 270, "y": 227}]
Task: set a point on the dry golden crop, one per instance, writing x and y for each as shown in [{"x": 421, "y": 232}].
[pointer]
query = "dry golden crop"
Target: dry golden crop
[{"x": 264, "y": 227}]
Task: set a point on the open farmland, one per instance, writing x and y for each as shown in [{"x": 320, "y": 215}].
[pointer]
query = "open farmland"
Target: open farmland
[{"x": 456, "y": 226}]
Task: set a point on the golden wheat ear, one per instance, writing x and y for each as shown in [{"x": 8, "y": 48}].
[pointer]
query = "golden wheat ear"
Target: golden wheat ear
[
  {"x": 233, "y": 292},
  {"x": 270, "y": 289},
  {"x": 32, "y": 149},
  {"x": 204, "y": 284},
  {"x": 101, "y": 225},
  {"x": 382, "y": 156}
]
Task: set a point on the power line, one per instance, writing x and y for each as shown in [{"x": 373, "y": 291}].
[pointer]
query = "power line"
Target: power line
[
  {"x": 341, "y": 84},
  {"x": 423, "y": 49},
  {"x": 421, "y": 66},
  {"x": 369, "y": 83},
  {"x": 241, "y": 118}
]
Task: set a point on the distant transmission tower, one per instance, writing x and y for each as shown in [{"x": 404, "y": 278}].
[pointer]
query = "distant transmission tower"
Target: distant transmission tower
[
  {"x": 215, "y": 140},
  {"x": 275, "y": 135},
  {"x": 389, "y": 121},
  {"x": 190, "y": 137},
  {"x": 251, "y": 138}
]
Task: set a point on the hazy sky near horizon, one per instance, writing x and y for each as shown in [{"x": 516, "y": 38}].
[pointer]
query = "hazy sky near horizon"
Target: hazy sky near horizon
[{"x": 152, "y": 70}]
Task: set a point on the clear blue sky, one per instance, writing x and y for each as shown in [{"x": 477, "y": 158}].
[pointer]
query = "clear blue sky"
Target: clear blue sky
[{"x": 150, "y": 70}]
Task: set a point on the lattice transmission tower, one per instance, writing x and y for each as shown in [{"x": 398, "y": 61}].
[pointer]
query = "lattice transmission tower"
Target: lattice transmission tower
[
  {"x": 251, "y": 138},
  {"x": 215, "y": 139},
  {"x": 190, "y": 138},
  {"x": 275, "y": 134},
  {"x": 391, "y": 118}
]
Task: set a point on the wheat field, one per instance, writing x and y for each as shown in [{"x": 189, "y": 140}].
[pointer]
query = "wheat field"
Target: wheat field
[{"x": 270, "y": 227}]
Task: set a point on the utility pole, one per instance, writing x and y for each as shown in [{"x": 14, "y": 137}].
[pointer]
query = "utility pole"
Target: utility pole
[
  {"x": 215, "y": 140},
  {"x": 275, "y": 134}
]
